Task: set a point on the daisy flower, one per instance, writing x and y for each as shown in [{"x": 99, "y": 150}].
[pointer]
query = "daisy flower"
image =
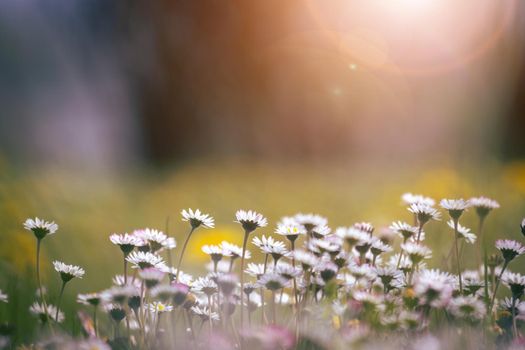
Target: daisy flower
[
  {"x": 291, "y": 231},
  {"x": 515, "y": 282},
  {"x": 522, "y": 226},
  {"x": 46, "y": 313},
  {"x": 158, "y": 307},
  {"x": 154, "y": 238},
  {"x": 40, "y": 228},
  {"x": 320, "y": 231},
  {"x": 509, "y": 249},
  {"x": 287, "y": 270},
  {"x": 463, "y": 232},
  {"x": 3, "y": 297},
  {"x": 365, "y": 227},
  {"x": 68, "y": 272},
  {"x": 196, "y": 218},
  {"x": 143, "y": 260},
  {"x": 424, "y": 213},
  {"x": 151, "y": 276},
  {"x": 126, "y": 242},
  {"x": 227, "y": 283},
  {"x": 416, "y": 252},
  {"x": 434, "y": 287},
  {"x": 306, "y": 259},
  {"x": 272, "y": 281},
  {"x": 455, "y": 207},
  {"x": 234, "y": 251},
  {"x": 309, "y": 221},
  {"x": 326, "y": 269},
  {"x": 483, "y": 205},
  {"x": 92, "y": 299},
  {"x": 250, "y": 220},
  {"x": 467, "y": 307},
  {"x": 204, "y": 313},
  {"x": 352, "y": 236},
  {"x": 409, "y": 199},
  {"x": 255, "y": 270},
  {"x": 204, "y": 285},
  {"x": 268, "y": 245},
  {"x": 214, "y": 251},
  {"x": 117, "y": 312},
  {"x": 404, "y": 230},
  {"x": 379, "y": 247}
]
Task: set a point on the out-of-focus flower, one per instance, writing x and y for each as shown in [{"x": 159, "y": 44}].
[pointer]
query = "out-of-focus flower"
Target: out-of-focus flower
[
  {"x": 93, "y": 299},
  {"x": 158, "y": 307},
  {"x": 205, "y": 285},
  {"x": 416, "y": 252},
  {"x": 467, "y": 307},
  {"x": 46, "y": 313},
  {"x": 204, "y": 313},
  {"x": 308, "y": 221},
  {"x": 434, "y": 288},
  {"x": 151, "y": 276},
  {"x": 409, "y": 199},
  {"x": 483, "y": 205},
  {"x": 272, "y": 281},
  {"x": 455, "y": 207},
  {"x": 196, "y": 218},
  {"x": 3, "y": 297},
  {"x": 291, "y": 230},
  {"x": 365, "y": 227}
]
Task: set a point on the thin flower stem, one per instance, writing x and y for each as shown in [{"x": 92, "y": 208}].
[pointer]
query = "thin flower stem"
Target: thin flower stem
[
  {"x": 125, "y": 271},
  {"x": 274, "y": 318},
  {"x": 262, "y": 289},
  {"x": 514, "y": 326},
  {"x": 209, "y": 315},
  {"x": 60, "y": 300},
  {"x": 95, "y": 325},
  {"x": 39, "y": 282},
  {"x": 182, "y": 252},
  {"x": 245, "y": 241},
  {"x": 497, "y": 285},
  {"x": 457, "y": 255}
]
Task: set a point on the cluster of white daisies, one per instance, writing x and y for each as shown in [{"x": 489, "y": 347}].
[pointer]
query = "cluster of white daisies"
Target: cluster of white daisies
[{"x": 352, "y": 274}]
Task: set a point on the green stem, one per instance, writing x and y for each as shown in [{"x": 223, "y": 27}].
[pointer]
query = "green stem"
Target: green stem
[
  {"x": 514, "y": 326},
  {"x": 497, "y": 285},
  {"x": 457, "y": 255},
  {"x": 60, "y": 300},
  {"x": 95, "y": 321},
  {"x": 245, "y": 241},
  {"x": 182, "y": 253}
]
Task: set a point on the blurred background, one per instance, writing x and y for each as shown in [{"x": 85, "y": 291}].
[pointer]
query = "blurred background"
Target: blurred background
[{"x": 115, "y": 115}]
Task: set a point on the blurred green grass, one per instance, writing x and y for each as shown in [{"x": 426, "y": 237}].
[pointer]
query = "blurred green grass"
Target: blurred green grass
[{"x": 88, "y": 208}]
